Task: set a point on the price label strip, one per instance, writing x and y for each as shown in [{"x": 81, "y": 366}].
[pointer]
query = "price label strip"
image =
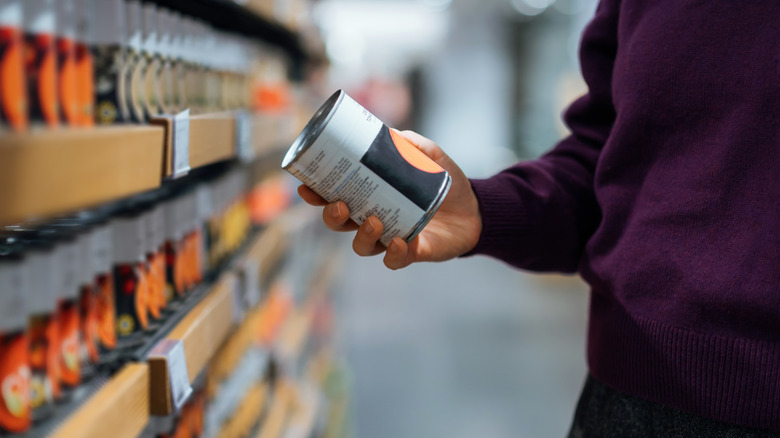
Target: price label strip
[
  {"x": 171, "y": 352},
  {"x": 180, "y": 142}
]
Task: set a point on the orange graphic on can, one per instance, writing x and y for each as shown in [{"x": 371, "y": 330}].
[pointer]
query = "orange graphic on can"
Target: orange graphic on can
[
  {"x": 70, "y": 367},
  {"x": 41, "y": 72},
  {"x": 67, "y": 75},
  {"x": 13, "y": 96},
  {"x": 15, "y": 409},
  {"x": 44, "y": 360},
  {"x": 106, "y": 312},
  {"x": 85, "y": 85},
  {"x": 89, "y": 322}
]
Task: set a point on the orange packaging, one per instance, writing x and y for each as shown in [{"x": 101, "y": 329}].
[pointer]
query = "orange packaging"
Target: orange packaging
[
  {"x": 43, "y": 332},
  {"x": 158, "y": 237},
  {"x": 67, "y": 73},
  {"x": 13, "y": 98},
  {"x": 88, "y": 312},
  {"x": 66, "y": 282},
  {"x": 15, "y": 409},
  {"x": 69, "y": 326},
  {"x": 130, "y": 282},
  {"x": 41, "y": 62},
  {"x": 89, "y": 346},
  {"x": 149, "y": 266},
  {"x": 106, "y": 312},
  {"x": 85, "y": 65},
  {"x": 101, "y": 246}
]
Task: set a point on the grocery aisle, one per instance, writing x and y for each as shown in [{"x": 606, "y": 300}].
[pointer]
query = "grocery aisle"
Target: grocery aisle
[{"x": 467, "y": 348}]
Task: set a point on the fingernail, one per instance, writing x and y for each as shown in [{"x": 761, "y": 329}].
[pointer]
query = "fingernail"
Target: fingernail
[
  {"x": 335, "y": 211},
  {"x": 369, "y": 226},
  {"x": 393, "y": 246}
]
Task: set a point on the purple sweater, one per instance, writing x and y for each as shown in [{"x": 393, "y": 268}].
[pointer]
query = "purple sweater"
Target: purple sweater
[{"x": 666, "y": 199}]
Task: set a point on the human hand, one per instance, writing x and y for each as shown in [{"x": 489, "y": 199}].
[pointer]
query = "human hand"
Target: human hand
[{"x": 454, "y": 229}]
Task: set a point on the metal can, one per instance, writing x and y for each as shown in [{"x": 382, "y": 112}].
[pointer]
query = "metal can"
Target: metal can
[{"x": 346, "y": 154}]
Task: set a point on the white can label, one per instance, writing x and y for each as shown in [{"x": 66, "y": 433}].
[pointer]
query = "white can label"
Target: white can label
[{"x": 375, "y": 171}]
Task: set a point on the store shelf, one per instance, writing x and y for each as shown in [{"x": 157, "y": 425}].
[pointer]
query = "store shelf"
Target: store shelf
[
  {"x": 58, "y": 171},
  {"x": 120, "y": 409},
  {"x": 246, "y": 415},
  {"x": 212, "y": 138},
  {"x": 201, "y": 333}
]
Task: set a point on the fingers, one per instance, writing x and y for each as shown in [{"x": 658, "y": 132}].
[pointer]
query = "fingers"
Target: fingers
[
  {"x": 311, "y": 197},
  {"x": 366, "y": 242},
  {"x": 336, "y": 217},
  {"x": 397, "y": 255}
]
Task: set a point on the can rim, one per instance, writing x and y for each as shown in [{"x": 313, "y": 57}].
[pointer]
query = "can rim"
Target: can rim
[
  {"x": 431, "y": 211},
  {"x": 313, "y": 129}
]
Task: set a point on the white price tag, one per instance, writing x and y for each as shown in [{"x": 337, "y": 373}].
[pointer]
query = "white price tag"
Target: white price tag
[
  {"x": 180, "y": 137},
  {"x": 172, "y": 350},
  {"x": 181, "y": 144},
  {"x": 244, "y": 136}
]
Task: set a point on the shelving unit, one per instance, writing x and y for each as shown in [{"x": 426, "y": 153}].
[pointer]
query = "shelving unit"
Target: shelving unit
[{"x": 45, "y": 174}]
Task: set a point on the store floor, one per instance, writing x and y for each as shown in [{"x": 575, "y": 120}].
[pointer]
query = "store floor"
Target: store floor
[{"x": 463, "y": 349}]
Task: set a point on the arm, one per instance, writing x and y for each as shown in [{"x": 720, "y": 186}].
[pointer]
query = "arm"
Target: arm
[{"x": 538, "y": 215}]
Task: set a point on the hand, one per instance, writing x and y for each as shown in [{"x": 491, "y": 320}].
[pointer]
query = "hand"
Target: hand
[{"x": 454, "y": 229}]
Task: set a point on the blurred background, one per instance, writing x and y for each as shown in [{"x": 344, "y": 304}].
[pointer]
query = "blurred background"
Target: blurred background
[{"x": 469, "y": 347}]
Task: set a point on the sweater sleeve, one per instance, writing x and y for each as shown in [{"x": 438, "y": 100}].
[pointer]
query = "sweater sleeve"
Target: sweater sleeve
[{"x": 538, "y": 215}]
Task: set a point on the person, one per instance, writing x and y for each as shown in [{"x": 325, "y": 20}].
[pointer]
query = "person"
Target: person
[{"x": 666, "y": 199}]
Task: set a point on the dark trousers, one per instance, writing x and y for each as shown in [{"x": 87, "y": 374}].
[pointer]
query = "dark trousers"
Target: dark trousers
[{"x": 603, "y": 412}]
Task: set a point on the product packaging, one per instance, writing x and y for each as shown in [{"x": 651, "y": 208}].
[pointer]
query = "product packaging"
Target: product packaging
[
  {"x": 15, "y": 409},
  {"x": 135, "y": 69},
  {"x": 86, "y": 22},
  {"x": 67, "y": 79},
  {"x": 41, "y": 62},
  {"x": 13, "y": 85},
  {"x": 130, "y": 283},
  {"x": 151, "y": 54},
  {"x": 111, "y": 62}
]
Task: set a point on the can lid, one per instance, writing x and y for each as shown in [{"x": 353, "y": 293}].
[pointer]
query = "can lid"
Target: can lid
[
  {"x": 110, "y": 23},
  {"x": 66, "y": 19},
  {"x": 134, "y": 24},
  {"x": 38, "y": 16},
  {"x": 150, "y": 31},
  {"x": 11, "y": 13},
  {"x": 164, "y": 29},
  {"x": 313, "y": 129}
]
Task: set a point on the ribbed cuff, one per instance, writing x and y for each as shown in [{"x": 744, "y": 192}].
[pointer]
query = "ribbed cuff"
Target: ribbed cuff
[
  {"x": 733, "y": 380},
  {"x": 502, "y": 219}
]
